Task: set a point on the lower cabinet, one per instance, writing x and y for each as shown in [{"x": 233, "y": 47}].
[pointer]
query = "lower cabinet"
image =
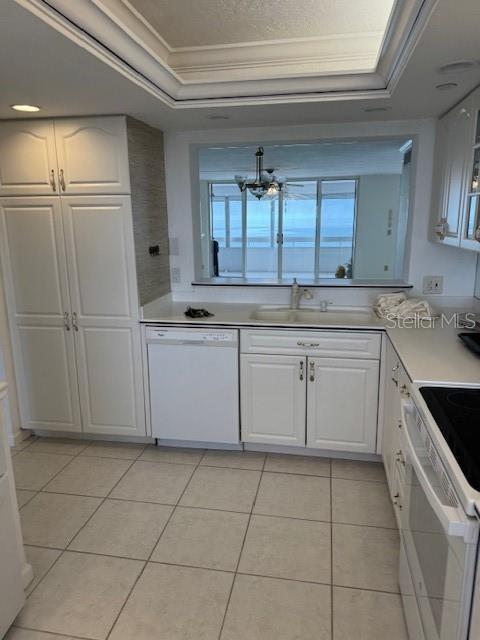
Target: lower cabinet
[
  {"x": 342, "y": 402},
  {"x": 273, "y": 399},
  {"x": 323, "y": 403},
  {"x": 395, "y": 378}
]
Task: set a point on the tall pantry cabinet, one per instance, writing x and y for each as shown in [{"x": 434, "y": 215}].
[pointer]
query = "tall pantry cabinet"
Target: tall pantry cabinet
[{"x": 69, "y": 268}]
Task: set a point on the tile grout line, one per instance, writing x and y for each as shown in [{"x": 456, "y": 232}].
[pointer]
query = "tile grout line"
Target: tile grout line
[
  {"x": 236, "y": 573},
  {"x": 53, "y": 633},
  {"x": 176, "y": 506},
  {"x": 145, "y": 565},
  {"x": 81, "y": 528},
  {"x": 203, "y": 568}
]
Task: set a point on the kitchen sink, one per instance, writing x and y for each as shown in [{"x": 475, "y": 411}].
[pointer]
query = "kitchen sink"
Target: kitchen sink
[{"x": 307, "y": 315}]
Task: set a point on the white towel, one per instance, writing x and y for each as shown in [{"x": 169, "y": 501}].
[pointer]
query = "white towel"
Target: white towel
[
  {"x": 388, "y": 302},
  {"x": 397, "y": 305}
]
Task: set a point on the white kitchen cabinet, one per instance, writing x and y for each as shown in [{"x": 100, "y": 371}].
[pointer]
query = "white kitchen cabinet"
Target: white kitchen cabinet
[
  {"x": 273, "y": 399},
  {"x": 392, "y": 417},
  {"x": 72, "y": 267},
  {"x": 71, "y": 156},
  {"x": 35, "y": 275},
  {"x": 342, "y": 402},
  {"x": 103, "y": 291},
  {"x": 471, "y": 226},
  {"x": 393, "y": 448},
  {"x": 317, "y": 389},
  {"x": 69, "y": 272},
  {"x": 450, "y": 181},
  {"x": 92, "y": 155},
  {"x": 28, "y": 159}
]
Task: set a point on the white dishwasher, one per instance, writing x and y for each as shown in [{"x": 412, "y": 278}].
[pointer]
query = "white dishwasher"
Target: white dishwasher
[{"x": 193, "y": 377}]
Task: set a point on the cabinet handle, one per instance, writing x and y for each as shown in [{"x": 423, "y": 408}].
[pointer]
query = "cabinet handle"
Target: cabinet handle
[
  {"x": 61, "y": 179},
  {"x": 52, "y": 180},
  {"x": 74, "y": 321},
  {"x": 395, "y": 368},
  {"x": 301, "y": 370},
  {"x": 308, "y": 345},
  {"x": 312, "y": 371},
  {"x": 395, "y": 381},
  {"x": 66, "y": 321}
]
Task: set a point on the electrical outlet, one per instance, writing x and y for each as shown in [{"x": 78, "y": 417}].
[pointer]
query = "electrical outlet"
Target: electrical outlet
[
  {"x": 432, "y": 284},
  {"x": 175, "y": 275}
]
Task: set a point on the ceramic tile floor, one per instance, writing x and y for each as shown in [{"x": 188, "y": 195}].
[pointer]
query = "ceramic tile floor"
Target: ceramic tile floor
[{"x": 137, "y": 542}]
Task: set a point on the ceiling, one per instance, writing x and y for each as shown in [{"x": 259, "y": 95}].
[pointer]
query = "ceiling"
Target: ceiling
[
  {"x": 184, "y": 23},
  {"x": 41, "y": 64},
  {"x": 302, "y": 160}
]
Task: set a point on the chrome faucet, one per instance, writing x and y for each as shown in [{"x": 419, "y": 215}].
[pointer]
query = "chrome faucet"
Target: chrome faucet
[{"x": 297, "y": 293}]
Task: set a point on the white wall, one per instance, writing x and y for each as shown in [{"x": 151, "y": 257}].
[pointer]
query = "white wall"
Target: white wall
[
  {"x": 374, "y": 248},
  {"x": 425, "y": 257}
]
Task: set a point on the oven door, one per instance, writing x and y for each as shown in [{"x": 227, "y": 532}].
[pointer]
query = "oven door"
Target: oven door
[{"x": 440, "y": 540}]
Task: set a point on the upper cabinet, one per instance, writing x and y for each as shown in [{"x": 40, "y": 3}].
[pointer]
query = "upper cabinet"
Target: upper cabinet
[
  {"x": 92, "y": 155},
  {"x": 456, "y": 188},
  {"x": 28, "y": 160},
  {"x": 71, "y": 156}
]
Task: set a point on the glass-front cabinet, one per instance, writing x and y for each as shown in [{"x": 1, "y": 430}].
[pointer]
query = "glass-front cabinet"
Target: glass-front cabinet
[
  {"x": 456, "y": 194},
  {"x": 471, "y": 235}
]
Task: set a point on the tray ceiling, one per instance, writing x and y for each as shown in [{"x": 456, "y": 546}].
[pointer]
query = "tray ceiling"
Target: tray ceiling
[
  {"x": 321, "y": 48},
  {"x": 184, "y": 23}
]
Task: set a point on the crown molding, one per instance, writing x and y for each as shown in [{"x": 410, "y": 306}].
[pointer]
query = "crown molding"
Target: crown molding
[
  {"x": 288, "y": 59},
  {"x": 296, "y": 70}
]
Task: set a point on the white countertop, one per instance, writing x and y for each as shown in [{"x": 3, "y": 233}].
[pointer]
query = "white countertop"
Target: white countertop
[
  {"x": 436, "y": 357},
  {"x": 240, "y": 315},
  {"x": 432, "y": 356}
]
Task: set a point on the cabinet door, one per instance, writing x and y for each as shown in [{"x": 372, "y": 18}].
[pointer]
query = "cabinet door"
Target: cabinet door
[
  {"x": 28, "y": 161},
  {"x": 458, "y": 124},
  {"x": 342, "y": 399},
  {"x": 101, "y": 270},
  {"x": 92, "y": 155},
  {"x": 34, "y": 268},
  {"x": 273, "y": 399},
  {"x": 471, "y": 227},
  {"x": 391, "y": 413}
]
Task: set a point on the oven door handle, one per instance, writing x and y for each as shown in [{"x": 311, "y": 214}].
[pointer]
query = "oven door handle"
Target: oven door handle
[{"x": 454, "y": 521}]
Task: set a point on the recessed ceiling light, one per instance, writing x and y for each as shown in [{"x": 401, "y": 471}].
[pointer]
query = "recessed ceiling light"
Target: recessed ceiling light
[
  {"x": 218, "y": 117},
  {"x": 457, "y": 67},
  {"x": 376, "y": 109},
  {"x": 446, "y": 86},
  {"x": 30, "y": 108}
]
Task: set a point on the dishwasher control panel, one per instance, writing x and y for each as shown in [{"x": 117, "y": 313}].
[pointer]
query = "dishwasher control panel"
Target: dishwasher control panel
[{"x": 191, "y": 336}]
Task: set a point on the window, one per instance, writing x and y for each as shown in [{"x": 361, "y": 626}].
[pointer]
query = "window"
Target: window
[
  {"x": 343, "y": 211},
  {"x": 305, "y": 231}
]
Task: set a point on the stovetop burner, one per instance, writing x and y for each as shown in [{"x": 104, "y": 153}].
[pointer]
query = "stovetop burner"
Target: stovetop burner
[{"x": 457, "y": 414}]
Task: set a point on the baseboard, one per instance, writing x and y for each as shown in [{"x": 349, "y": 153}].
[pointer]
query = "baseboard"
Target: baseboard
[{"x": 306, "y": 451}]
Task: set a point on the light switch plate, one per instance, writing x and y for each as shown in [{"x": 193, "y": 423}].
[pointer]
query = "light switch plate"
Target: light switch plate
[{"x": 432, "y": 284}]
